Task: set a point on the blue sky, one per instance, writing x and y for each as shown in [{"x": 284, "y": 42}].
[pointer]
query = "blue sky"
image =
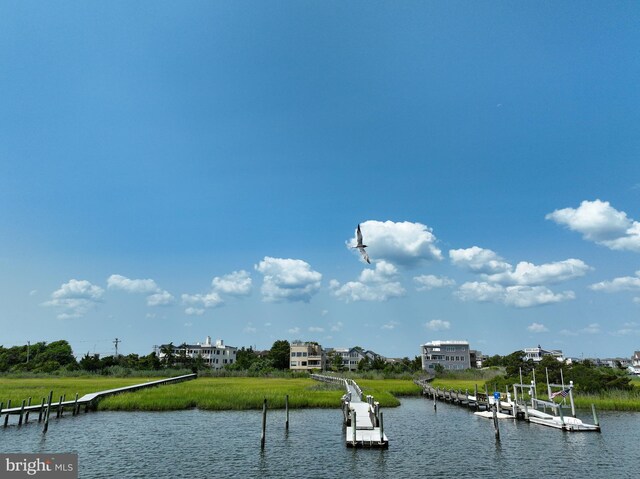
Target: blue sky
[{"x": 171, "y": 170}]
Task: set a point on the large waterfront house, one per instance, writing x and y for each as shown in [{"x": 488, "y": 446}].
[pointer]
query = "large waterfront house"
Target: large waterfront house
[
  {"x": 351, "y": 357},
  {"x": 448, "y": 354},
  {"x": 216, "y": 356},
  {"x": 305, "y": 356},
  {"x": 536, "y": 354}
]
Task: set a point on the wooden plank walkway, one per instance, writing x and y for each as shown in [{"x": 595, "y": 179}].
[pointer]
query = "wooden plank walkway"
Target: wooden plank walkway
[
  {"x": 367, "y": 430},
  {"x": 89, "y": 399}
]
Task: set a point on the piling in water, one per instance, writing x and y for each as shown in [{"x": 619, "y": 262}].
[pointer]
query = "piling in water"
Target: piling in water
[
  {"x": 495, "y": 420},
  {"x": 47, "y": 413},
  {"x": 353, "y": 426},
  {"x": 6, "y": 417},
  {"x": 381, "y": 428},
  {"x": 41, "y": 410},
  {"x": 264, "y": 424},
  {"x": 286, "y": 407},
  {"x": 26, "y": 417},
  {"x": 595, "y": 416},
  {"x": 21, "y": 413}
]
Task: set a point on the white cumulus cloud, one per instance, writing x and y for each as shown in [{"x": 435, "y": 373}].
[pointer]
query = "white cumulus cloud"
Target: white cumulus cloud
[
  {"x": 437, "y": 325},
  {"x": 116, "y": 281},
  {"x": 156, "y": 295},
  {"x": 537, "y": 328},
  {"x": 237, "y": 283},
  {"x": 402, "y": 243},
  {"x": 479, "y": 260},
  {"x": 598, "y": 221},
  {"x": 523, "y": 286},
  {"x": 378, "y": 284},
  {"x": 517, "y": 296},
  {"x": 428, "y": 281},
  {"x": 526, "y": 273},
  {"x": 209, "y": 300},
  {"x": 76, "y": 298},
  {"x": 288, "y": 280},
  {"x": 625, "y": 283}
]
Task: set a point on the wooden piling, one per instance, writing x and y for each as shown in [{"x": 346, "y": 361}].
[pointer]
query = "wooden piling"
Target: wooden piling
[
  {"x": 495, "y": 420},
  {"x": 26, "y": 417},
  {"x": 264, "y": 424},
  {"x": 21, "y": 413},
  {"x": 46, "y": 416},
  {"x": 6, "y": 417},
  {"x": 1, "y": 404},
  {"x": 286, "y": 407},
  {"x": 59, "y": 408},
  {"x": 75, "y": 406},
  {"x": 381, "y": 428},
  {"x": 353, "y": 426},
  {"x": 41, "y": 410}
]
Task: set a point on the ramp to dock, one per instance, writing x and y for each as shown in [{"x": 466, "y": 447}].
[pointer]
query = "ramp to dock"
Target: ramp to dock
[{"x": 363, "y": 419}]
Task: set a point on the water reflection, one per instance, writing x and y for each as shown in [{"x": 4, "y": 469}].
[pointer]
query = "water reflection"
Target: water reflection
[{"x": 446, "y": 442}]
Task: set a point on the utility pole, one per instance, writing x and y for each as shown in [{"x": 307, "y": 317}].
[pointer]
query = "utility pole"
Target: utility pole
[
  {"x": 116, "y": 341},
  {"x": 28, "y": 347}
]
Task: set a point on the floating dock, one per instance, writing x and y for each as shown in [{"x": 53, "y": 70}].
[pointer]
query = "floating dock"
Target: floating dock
[{"x": 362, "y": 418}]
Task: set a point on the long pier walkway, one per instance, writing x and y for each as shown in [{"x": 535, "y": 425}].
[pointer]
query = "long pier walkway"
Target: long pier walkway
[
  {"x": 88, "y": 400},
  {"x": 363, "y": 418},
  {"x": 511, "y": 408}
]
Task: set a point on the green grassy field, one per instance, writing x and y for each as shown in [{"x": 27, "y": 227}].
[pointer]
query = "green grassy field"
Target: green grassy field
[
  {"x": 241, "y": 393},
  {"x": 204, "y": 393},
  {"x": 18, "y": 389}
]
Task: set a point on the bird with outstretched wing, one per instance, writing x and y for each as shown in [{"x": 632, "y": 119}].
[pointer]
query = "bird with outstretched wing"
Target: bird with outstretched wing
[{"x": 361, "y": 247}]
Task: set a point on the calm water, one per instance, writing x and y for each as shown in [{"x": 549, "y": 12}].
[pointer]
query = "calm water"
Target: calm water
[{"x": 449, "y": 442}]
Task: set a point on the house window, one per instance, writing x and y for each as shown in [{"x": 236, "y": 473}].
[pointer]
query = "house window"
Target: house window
[{"x": 294, "y": 363}]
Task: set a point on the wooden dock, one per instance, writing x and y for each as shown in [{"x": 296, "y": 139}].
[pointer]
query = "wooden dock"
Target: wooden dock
[
  {"x": 362, "y": 418},
  {"x": 89, "y": 401},
  {"x": 512, "y": 407}
]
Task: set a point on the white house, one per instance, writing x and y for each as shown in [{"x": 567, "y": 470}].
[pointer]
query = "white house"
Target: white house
[
  {"x": 351, "y": 357},
  {"x": 216, "y": 356},
  {"x": 536, "y": 354},
  {"x": 449, "y": 354}
]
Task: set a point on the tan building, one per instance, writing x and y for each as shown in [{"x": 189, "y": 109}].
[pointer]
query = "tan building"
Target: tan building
[{"x": 306, "y": 356}]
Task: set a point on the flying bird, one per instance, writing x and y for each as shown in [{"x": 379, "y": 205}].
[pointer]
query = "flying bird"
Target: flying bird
[{"x": 361, "y": 247}]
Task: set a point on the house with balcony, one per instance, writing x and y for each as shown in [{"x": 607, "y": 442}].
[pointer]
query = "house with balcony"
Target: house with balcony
[
  {"x": 453, "y": 355},
  {"x": 536, "y": 354},
  {"x": 305, "y": 356},
  {"x": 351, "y": 357},
  {"x": 216, "y": 356}
]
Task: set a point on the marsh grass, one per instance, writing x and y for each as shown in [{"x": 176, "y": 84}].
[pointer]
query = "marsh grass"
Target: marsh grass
[
  {"x": 459, "y": 384},
  {"x": 18, "y": 389},
  {"x": 232, "y": 393},
  {"x": 610, "y": 400},
  {"x": 243, "y": 393},
  {"x": 386, "y": 391}
]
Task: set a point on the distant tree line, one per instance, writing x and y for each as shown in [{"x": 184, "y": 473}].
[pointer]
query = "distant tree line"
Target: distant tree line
[
  {"x": 586, "y": 377},
  {"x": 58, "y": 356}
]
